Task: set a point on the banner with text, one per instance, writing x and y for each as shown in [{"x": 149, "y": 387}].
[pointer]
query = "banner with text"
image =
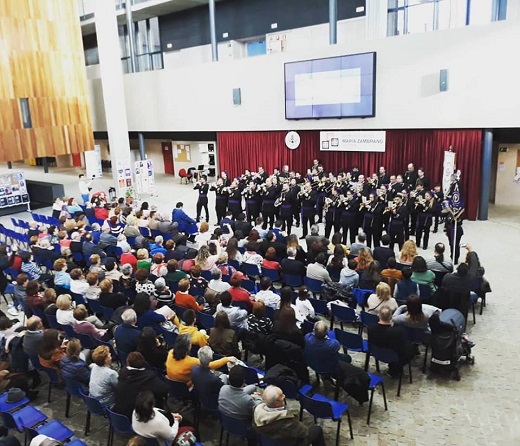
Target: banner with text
[{"x": 353, "y": 141}]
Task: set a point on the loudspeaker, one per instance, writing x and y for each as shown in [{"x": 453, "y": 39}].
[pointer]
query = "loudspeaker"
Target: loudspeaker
[
  {"x": 443, "y": 80},
  {"x": 237, "y": 97}
]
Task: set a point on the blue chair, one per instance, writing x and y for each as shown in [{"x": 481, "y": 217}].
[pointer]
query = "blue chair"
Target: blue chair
[
  {"x": 131, "y": 240},
  {"x": 206, "y": 320},
  {"x": 439, "y": 275},
  {"x": 307, "y": 326},
  {"x": 27, "y": 416},
  {"x": 122, "y": 356},
  {"x": 73, "y": 388},
  {"x": 87, "y": 341},
  {"x": 366, "y": 319},
  {"x": 418, "y": 337},
  {"x": 179, "y": 311},
  {"x": 118, "y": 423},
  {"x": 95, "y": 306},
  {"x": 206, "y": 275},
  {"x": 293, "y": 280},
  {"x": 320, "y": 406},
  {"x": 53, "y": 429},
  {"x": 320, "y": 306},
  {"x": 234, "y": 263},
  {"x": 169, "y": 337},
  {"x": 77, "y": 298},
  {"x": 54, "y": 379},
  {"x": 375, "y": 380},
  {"x": 94, "y": 407},
  {"x": 174, "y": 286},
  {"x": 334, "y": 273},
  {"x": 426, "y": 293},
  {"x": 272, "y": 274},
  {"x": 249, "y": 285},
  {"x": 269, "y": 312},
  {"x": 342, "y": 314},
  {"x": 388, "y": 356},
  {"x": 361, "y": 296},
  {"x": 233, "y": 426},
  {"x": 252, "y": 375},
  {"x": 179, "y": 390},
  {"x": 107, "y": 313},
  {"x": 53, "y": 322},
  {"x": 78, "y": 257},
  {"x": 9, "y": 407},
  {"x": 76, "y": 442},
  {"x": 145, "y": 232},
  {"x": 351, "y": 341},
  {"x": 314, "y": 285},
  {"x": 250, "y": 270},
  {"x": 242, "y": 305}
]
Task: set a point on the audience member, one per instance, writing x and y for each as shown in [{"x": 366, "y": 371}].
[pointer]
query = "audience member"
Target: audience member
[{"x": 222, "y": 338}]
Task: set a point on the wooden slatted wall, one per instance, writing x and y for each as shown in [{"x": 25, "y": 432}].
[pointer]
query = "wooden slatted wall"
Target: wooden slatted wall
[{"x": 41, "y": 58}]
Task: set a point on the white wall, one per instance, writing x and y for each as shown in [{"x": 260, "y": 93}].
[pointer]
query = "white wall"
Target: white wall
[
  {"x": 483, "y": 86},
  {"x": 507, "y": 190}
]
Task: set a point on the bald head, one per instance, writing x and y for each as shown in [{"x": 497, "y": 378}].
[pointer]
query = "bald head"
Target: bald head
[
  {"x": 320, "y": 330},
  {"x": 34, "y": 323},
  {"x": 273, "y": 397},
  {"x": 385, "y": 314}
]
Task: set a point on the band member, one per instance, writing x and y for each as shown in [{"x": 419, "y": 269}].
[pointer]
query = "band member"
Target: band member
[
  {"x": 285, "y": 205},
  {"x": 373, "y": 220},
  {"x": 407, "y": 203},
  {"x": 438, "y": 196},
  {"x": 383, "y": 177},
  {"x": 349, "y": 217},
  {"x": 425, "y": 210},
  {"x": 354, "y": 174},
  {"x": 415, "y": 195},
  {"x": 421, "y": 177},
  {"x": 225, "y": 179},
  {"x": 278, "y": 189},
  {"x": 398, "y": 216},
  {"x": 294, "y": 190},
  {"x": 253, "y": 201},
  {"x": 221, "y": 198},
  {"x": 321, "y": 190},
  {"x": 268, "y": 195},
  {"x": 308, "y": 198},
  {"x": 261, "y": 176},
  {"x": 397, "y": 187},
  {"x": 362, "y": 187},
  {"x": 235, "y": 199},
  {"x": 315, "y": 164},
  {"x": 410, "y": 176},
  {"x": 449, "y": 228},
  {"x": 285, "y": 171},
  {"x": 202, "y": 202},
  {"x": 330, "y": 208}
]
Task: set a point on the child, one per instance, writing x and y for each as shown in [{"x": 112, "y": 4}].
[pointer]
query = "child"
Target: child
[
  {"x": 31, "y": 268},
  {"x": 303, "y": 305},
  {"x": 19, "y": 294}
]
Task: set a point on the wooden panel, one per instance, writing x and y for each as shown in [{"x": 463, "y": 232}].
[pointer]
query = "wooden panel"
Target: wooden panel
[{"x": 41, "y": 58}]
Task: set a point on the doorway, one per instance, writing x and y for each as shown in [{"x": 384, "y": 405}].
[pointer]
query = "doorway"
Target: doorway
[{"x": 167, "y": 152}]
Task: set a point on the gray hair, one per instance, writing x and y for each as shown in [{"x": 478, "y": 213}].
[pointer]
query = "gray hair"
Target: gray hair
[
  {"x": 216, "y": 274},
  {"x": 315, "y": 229},
  {"x": 126, "y": 269},
  {"x": 385, "y": 313},
  {"x": 291, "y": 251},
  {"x": 270, "y": 395},
  {"x": 159, "y": 239},
  {"x": 320, "y": 330},
  {"x": 205, "y": 355},
  {"x": 129, "y": 316}
]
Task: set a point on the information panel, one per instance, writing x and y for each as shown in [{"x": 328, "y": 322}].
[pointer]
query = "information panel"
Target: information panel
[{"x": 13, "y": 190}]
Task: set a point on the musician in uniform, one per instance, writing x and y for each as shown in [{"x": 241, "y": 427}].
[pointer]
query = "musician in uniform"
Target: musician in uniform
[
  {"x": 202, "y": 201},
  {"x": 349, "y": 217},
  {"x": 330, "y": 208},
  {"x": 417, "y": 194},
  {"x": 422, "y": 178},
  {"x": 382, "y": 178},
  {"x": 261, "y": 176},
  {"x": 268, "y": 194},
  {"x": 294, "y": 190},
  {"x": 398, "y": 217},
  {"x": 425, "y": 209},
  {"x": 253, "y": 201},
  {"x": 449, "y": 228},
  {"x": 285, "y": 205},
  {"x": 407, "y": 203},
  {"x": 438, "y": 196},
  {"x": 410, "y": 176},
  {"x": 225, "y": 179},
  {"x": 308, "y": 199},
  {"x": 278, "y": 189},
  {"x": 373, "y": 220},
  {"x": 221, "y": 198},
  {"x": 235, "y": 199}
]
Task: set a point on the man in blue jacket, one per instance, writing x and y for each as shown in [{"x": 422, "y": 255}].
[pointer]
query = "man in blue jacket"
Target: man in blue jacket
[
  {"x": 127, "y": 335},
  {"x": 186, "y": 223}
]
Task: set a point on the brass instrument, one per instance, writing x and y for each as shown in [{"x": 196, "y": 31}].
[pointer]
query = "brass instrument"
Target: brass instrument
[
  {"x": 390, "y": 208},
  {"x": 364, "y": 204},
  {"x": 279, "y": 201},
  {"x": 302, "y": 193},
  {"x": 330, "y": 202},
  {"x": 413, "y": 194},
  {"x": 263, "y": 187}
]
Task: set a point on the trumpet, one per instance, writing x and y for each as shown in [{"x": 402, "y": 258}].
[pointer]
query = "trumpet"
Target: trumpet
[
  {"x": 278, "y": 202},
  {"x": 328, "y": 203},
  {"x": 390, "y": 208},
  {"x": 364, "y": 204},
  {"x": 263, "y": 187},
  {"x": 303, "y": 193}
]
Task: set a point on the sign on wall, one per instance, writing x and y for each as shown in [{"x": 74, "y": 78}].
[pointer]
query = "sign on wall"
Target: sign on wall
[
  {"x": 93, "y": 163},
  {"x": 13, "y": 190},
  {"x": 144, "y": 177},
  {"x": 353, "y": 141}
]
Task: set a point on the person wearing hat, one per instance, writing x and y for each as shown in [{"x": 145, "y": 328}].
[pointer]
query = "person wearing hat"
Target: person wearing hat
[{"x": 239, "y": 294}]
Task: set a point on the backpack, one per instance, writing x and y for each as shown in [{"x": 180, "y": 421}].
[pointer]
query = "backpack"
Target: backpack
[
  {"x": 278, "y": 374},
  {"x": 336, "y": 291},
  {"x": 17, "y": 357}
]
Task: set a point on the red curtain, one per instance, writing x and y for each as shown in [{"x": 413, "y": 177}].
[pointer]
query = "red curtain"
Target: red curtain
[{"x": 425, "y": 148}]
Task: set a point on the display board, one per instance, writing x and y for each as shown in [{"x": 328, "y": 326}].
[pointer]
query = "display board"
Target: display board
[
  {"x": 144, "y": 177},
  {"x": 124, "y": 176},
  {"x": 13, "y": 190},
  {"x": 93, "y": 163},
  {"x": 353, "y": 141},
  {"x": 448, "y": 169}
]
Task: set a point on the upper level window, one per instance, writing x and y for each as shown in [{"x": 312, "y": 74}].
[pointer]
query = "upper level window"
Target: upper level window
[{"x": 418, "y": 16}]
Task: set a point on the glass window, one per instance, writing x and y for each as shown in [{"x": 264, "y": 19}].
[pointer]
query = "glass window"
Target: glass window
[
  {"x": 420, "y": 17},
  {"x": 142, "y": 38},
  {"x": 452, "y": 13},
  {"x": 155, "y": 37},
  {"x": 481, "y": 11}
]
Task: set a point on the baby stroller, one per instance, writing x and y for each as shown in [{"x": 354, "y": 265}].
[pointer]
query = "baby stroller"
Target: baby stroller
[{"x": 447, "y": 342}]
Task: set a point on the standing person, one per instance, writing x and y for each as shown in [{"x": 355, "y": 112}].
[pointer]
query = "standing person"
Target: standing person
[
  {"x": 268, "y": 197},
  {"x": 84, "y": 188},
  {"x": 410, "y": 176},
  {"x": 253, "y": 201},
  {"x": 202, "y": 202},
  {"x": 292, "y": 196},
  {"x": 221, "y": 198},
  {"x": 454, "y": 232},
  {"x": 286, "y": 208},
  {"x": 349, "y": 217},
  {"x": 425, "y": 210},
  {"x": 373, "y": 220},
  {"x": 398, "y": 216},
  {"x": 235, "y": 199},
  {"x": 308, "y": 202},
  {"x": 330, "y": 207}
]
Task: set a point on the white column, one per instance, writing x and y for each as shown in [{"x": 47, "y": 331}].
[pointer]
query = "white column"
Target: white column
[
  {"x": 376, "y": 19},
  {"x": 113, "y": 93}
]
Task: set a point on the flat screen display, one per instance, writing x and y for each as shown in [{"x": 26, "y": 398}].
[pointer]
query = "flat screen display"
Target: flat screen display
[{"x": 335, "y": 87}]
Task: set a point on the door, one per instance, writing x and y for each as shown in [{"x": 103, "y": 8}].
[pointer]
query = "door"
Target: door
[{"x": 167, "y": 153}]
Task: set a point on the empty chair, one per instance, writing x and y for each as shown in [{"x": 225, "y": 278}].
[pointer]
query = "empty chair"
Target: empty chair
[
  {"x": 232, "y": 426},
  {"x": 27, "y": 416},
  {"x": 53, "y": 429},
  {"x": 351, "y": 341},
  {"x": 207, "y": 320},
  {"x": 320, "y": 406},
  {"x": 273, "y": 274},
  {"x": 342, "y": 314},
  {"x": 73, "y": 389},
  {"x": 293, "y": 280},
  {"x": 375, "y": 381},
  {"x": 249, "y": 285},
  {"x": 366, "y": 319},
  {"x": 361, "y": 296},
  {"x": 320, "y": 306},
  {"x": 388, "y": 356},
  {"x": 315, "y": 286},
  {"x": 94, "y": 407},
  {"x": 9, "y": 407},
  {"x": 250, "y": 270}
]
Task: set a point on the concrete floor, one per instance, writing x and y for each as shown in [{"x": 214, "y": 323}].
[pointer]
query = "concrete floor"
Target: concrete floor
[{"x": 480, "y": 409}]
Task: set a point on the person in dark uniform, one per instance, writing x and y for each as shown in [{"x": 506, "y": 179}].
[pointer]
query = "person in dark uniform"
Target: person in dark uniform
[
  {"x": 221, "y": 198},
  {"x": 407, "y": 203},
  {"x": 373, "y": 220},
  {"x": 331, "y": 209},
  {"x": 410, "y": 176},
  {"x": 225, "y": 179},
  {"x": 349, "y": 217},
  {"x": 425, "y": 208},
  {"x": 397, "y": 187},
  {"x": 416, "y": 195},
  {"x": 438, "y": 196},
  {"x": 308, "y": 199},
  {"x": 285, "y": 205},
  {"x": 268, "y": 195},
  {"x": 422, "y": 178},
  {"x": 398, "y": 217},
  {"x": 253, "y": 201},
  {"x": 453, "y": 237},
  {"x": 382, "y": 178},
  {"x": 278, "y": 188},
  {"x": 261, "y": 176},
  {"x": 235, "y": 199},
  {"x": 202, "y": 202}
]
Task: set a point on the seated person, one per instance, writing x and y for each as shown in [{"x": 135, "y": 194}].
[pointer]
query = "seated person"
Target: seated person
[
  {"x": 237, "y": 316},
  {"x": 82, "y": 326},
  {"x": 188, "y": 326},
  {"x": 107, "y": 297},
  {"x": 272, "y": 419},
  {"x": 51, "y": 349},
  {"x": 421, "y": 275},
  {"x": 65, "y": 312},
  {"x": 143, "y": 285},
  {"x": 61, "y": 276},
  {"x": 205, "y": 381},
  {"x": 270, "y": 261},
  {"x": 406, "y": 286},
  {"x": 239, "y": 294},
  {"x": 266, "y": 295},
  {"x": 381, "y": 297},
  {"x": 318, "y": 269},
  {"x": 303, "y": 304},
  {"x": 197, "y": 283},
  {"x": 174, "y": 274},
  {"x": 103, "y": 379},
  {"x": 384, "y": 334},
  {"x": 257, "y": 322},
  {"x": 414, "y": 314},
  {"x": 72, "y": 366},
  {"x": 439, "y": 263},
  {"x": 93, "y": 291},
  {"x": 152, "y": 349},
  {"x": 162, "y": 293},
  {"x": 78, "y": 285},
  {"x": 236, "y": 400},
  {"x": 127, "y": 334},
  {"x": 146, "y": 316},
  {"x": 349, "y": 276},
  {"x": 111, "y": 270},
  {"x": 391, "y": 274},
  {"x": 222, "y": 338},
  {"x": 216, "y": 283},
  {"x": 184, "y": 299}
]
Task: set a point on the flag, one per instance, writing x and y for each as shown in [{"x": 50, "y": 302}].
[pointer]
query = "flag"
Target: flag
[{"x": 456, "y": 200}]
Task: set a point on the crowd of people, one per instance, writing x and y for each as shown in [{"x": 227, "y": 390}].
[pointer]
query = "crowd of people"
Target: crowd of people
[{"x": 160, "y": 278}]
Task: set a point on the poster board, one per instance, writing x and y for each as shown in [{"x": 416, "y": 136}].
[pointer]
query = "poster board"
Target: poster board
[
  {"x": 448, "y": 169},
  {"x": 93, "y": 163},
  {"x": 124, "y": 176},
  {"x": 182, "y": 153},
  {"x": 13, "y": 190},
  {"x": 144, "y": 177}
]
